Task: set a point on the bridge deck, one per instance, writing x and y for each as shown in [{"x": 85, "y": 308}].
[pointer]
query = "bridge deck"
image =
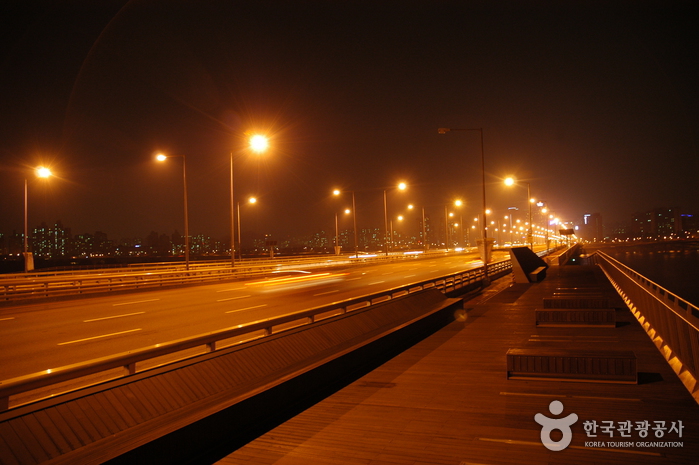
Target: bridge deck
[{"x": 446, "y": 400}]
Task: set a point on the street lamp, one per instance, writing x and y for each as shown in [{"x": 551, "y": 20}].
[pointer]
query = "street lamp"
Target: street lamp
[
  {"x": 354, "y": 220},
  {"x": 511, "y": 182},
  {"x": 337, "y": 232},
  {"x": 258, "y": 144},
  {"x": 161, "y": 157},
  {"x": 41, "y": 172},
  {"x": 251, "y": 200},
  {"x": 401, "y": 186},
  {"x": 486, "y": 280}
]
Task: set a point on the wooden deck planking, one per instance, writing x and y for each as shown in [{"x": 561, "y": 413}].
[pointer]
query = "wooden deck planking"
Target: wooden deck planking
[{"x": 447, "y": 400}]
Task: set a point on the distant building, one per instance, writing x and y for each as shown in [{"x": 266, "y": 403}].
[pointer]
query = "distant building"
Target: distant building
[
  {"x": 592, "y": 228},
  {"x": 660, "y": 222}
]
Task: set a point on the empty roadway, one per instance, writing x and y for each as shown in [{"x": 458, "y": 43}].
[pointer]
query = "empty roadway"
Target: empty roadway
[{"x": 42, "y": 336}]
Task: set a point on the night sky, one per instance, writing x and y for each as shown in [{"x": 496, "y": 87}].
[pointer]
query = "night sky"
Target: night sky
[{"x": 594, "y": 104}]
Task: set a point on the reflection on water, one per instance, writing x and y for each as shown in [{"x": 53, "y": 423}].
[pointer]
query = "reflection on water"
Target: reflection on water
[{"x": 674, "y": 268}]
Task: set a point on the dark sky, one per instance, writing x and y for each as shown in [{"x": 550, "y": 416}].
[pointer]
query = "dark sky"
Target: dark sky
[{"x": 595, "y": 104}]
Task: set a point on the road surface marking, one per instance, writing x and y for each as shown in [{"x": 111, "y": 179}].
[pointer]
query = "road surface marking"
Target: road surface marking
[
  {"x": 99, "y": 337},
  {"x": 115, "y": 316},
  {"x": 409, "y": 276},
  {"x": 233, "y": 298},
  {"x": 9, "y": 318},
  {"x": 246, "y": 308},
  {"x": 328, "y": 292},
  {"x": 135, "y": 302},
  {"x": 352, "y": 279},
  {"x": 377, "y": 282},
  {"x": 233, "y": 289}
]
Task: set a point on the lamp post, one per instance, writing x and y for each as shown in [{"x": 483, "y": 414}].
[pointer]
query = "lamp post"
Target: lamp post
[
  {"x": 486, "y": 279},
  {"x": 510, "y": 182},
  {"x": 401, "y": 186},
  {"x": 354, "y": 220},
  {"x": 41, "y": 172},
  {"x": 251, "y": 200},
  {"x": 257, "y": 143},
  {"x": 337, "y": 233},
  {"x": 161, "y": 157}
]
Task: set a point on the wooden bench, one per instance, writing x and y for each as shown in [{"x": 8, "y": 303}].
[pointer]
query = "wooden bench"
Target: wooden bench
[
  {"x": 572, "y": 365},
  {"x": 595, "y": 317},
  {"x": 537, "y": 275},
  {"x": 581, "y": 301}
]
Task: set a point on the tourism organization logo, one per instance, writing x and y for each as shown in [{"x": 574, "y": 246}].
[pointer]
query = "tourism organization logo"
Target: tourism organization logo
[
  {"x": 605, "y": 432},
  {"x": 561, "y": 424}
]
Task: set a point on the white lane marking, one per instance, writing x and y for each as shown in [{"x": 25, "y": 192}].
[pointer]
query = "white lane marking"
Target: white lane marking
[
  {"x": 115, "y": 316},
  {"x": 233, "y": 298},
  {"x": 233, "y": 289},
  {"x": 409, "y": 276},
  {"x": 99, "y": 337},
  {"x": 377, "y": 282},
  {"x": 135, "y": 302},
  {"x": 8, "y": 318},
  {"x": 328, "y": 292},
  {"x": 352, "y": 279},
  {"x": 246, "y": 308}
]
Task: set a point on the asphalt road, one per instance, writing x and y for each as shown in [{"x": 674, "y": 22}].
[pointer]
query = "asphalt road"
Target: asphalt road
[{"x": 47, "y": 335}]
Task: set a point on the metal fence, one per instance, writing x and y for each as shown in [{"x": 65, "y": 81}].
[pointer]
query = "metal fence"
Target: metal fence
[
  {"x": 29, "y": 388},
  {"x": 670, "y": 321}
]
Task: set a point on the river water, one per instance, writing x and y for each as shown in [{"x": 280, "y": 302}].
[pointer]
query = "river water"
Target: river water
[{"x": 676, "y": 268}]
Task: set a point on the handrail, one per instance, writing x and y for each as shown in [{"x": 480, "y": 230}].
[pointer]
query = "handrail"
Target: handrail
[
  {"x": 44, "y": 285},
  {"x": 670, "y": 321},
  {"x": 267, "y": 327}
]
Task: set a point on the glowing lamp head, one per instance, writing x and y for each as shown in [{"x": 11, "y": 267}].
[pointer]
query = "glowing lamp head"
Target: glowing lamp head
[
  {"x": 161, "y": 157},
  {"x": 336, "y": 192},
  {"x": 259, "y": 143},
  {"x": 252, "y": 200},
  {"x": 509, "y": 181},
  {"x": 402, "y": 186},
  {"x": 43, "y": 172},
  {"x": 458, "y": 203}
]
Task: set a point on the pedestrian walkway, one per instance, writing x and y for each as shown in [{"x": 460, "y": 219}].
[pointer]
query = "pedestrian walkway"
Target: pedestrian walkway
[{"x": 447, "y": 400}]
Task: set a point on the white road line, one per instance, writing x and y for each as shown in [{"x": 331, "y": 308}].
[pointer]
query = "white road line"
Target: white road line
[
  {"x": 409, "y": 276},
  {"x": 377, "y": 282},
  {"x": 233, "y": 298},
  {"x": 136, "y": 302},
  {"x": 99, "y": 337},
  {"x": 9, "y": 318},
  {"x": 328, "y": 292},
  {"x": 115, "y": 316},
  {"x": 352, "y": 279},
  {"x": 233, "y": 289},
  {"x": 246, "y": 308}
]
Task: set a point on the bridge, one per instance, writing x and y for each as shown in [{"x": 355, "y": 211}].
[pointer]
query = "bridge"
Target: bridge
[{"x": 452, "y": 397}]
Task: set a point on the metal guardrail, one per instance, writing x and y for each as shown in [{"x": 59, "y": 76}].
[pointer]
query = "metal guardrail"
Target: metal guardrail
[
  {"x": 128, "y": 362},
  {"x": 23, "y": 287},
  {"x": 670, "y": 321}
]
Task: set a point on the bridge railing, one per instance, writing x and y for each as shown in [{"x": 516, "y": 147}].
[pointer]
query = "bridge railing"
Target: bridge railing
[
  {"x": 23, "y": 287},
  {"x": 670, "y": 321},
  {"x": 29, "y": 388}
]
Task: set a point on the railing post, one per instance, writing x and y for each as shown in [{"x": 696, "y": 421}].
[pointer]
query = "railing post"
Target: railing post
[{"x": 130, "y": 368}]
